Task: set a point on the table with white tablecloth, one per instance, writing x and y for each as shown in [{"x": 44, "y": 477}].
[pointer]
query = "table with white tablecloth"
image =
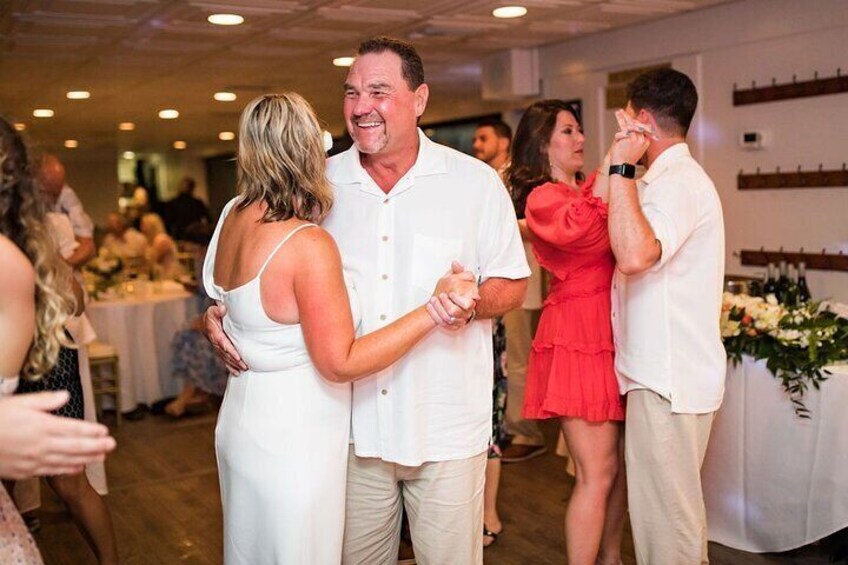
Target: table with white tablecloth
[
  {"x": 141, "y": 328},
  {"x": 773, "y": 481}
]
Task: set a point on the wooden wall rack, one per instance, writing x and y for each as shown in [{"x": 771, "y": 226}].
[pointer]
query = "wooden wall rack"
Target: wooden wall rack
[
  {"x": 774, "y": 92},
  {"x": 795, "y": 179},
  {"x": 817, "y": 261}
]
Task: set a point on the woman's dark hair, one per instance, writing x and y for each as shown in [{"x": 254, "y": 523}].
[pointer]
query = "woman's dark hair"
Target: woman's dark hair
[{"x": 529, "y": 166}]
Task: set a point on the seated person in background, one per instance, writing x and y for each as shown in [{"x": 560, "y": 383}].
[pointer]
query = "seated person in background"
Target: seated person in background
[
  {"x": 161, "y": 249},
  {"x": 203, "y": 374},
  {"x": 184, "y": 210},
  {"x": 193, "y": 358},
  {"x": 123, "y": 241}
]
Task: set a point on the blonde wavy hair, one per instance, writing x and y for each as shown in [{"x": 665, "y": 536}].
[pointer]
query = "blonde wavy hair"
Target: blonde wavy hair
[
  {"x": 281, "y": 159},
  {"x": 22, "y": 220},
  {"x": 152, "y": 225}
]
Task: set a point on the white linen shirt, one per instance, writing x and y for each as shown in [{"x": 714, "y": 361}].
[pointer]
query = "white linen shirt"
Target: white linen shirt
[
  {"x": 435, "y": 404},
  {"x": 666, "y": 319},
  {"x": 69, "y": 204}
]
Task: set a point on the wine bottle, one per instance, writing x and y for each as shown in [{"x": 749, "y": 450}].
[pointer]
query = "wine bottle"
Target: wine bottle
[
  {"x": 803, "y": 290},
  {"x": 770, "y": 286},
  {"x": 782, "y": 283},
  {"x": 791, "y": 298}
]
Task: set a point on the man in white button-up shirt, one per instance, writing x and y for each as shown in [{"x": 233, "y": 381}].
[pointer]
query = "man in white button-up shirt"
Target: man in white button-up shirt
[
  {"x": 667, "y": 234},
  {"x": 405, "y": 208}
]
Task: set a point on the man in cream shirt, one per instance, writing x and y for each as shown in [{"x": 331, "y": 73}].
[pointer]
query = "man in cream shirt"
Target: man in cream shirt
[
  {"x": 405, "y": 208},
  {"x": 667, "y": 234}
]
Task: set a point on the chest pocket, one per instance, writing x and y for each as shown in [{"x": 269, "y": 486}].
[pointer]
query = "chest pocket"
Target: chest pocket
[{"x": 431, "y": 259}]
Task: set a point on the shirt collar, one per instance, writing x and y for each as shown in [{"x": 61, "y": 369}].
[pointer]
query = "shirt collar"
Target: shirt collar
[
  {"x": 664, "y": 161},
  {"x": 430, "y": 161}
]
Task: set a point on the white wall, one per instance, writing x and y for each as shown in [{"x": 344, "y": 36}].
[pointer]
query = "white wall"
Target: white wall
[{"x": 751, "y": 40}]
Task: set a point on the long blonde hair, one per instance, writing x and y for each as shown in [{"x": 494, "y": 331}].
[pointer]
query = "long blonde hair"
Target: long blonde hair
[
  {"x": 281, "y": 159},
  {"x": 22, "y": 220}
]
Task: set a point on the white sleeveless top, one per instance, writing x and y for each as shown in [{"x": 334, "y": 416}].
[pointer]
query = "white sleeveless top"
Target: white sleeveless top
[{"x": 265, "y": 345}]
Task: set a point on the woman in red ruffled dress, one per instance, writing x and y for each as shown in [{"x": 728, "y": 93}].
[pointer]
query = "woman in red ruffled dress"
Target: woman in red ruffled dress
[{"x": 570, "y": 373}]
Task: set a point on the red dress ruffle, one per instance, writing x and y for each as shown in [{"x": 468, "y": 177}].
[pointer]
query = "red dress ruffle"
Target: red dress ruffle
[{"x": 571, "y": 367}]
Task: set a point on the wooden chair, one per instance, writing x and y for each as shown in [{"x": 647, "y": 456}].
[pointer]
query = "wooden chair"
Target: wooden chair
[{"x": 105, "y": 382}]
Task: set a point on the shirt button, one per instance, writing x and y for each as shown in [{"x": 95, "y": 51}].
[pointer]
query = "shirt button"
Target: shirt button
[
  {"x": 385, "y": 277},
  {"x": 384, "y": 392},
  {"x": 386, "y": 201},
  {"x": 385, "y": 238},
  {"x": 382, "y": 316}
]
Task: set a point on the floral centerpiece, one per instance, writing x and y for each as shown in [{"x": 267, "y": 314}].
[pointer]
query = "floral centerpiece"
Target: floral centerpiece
[
  {"x": 796, "y": 341},
  {"x": 105, "y": 267}
]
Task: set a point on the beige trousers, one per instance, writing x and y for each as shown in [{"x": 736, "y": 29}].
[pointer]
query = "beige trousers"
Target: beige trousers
[
  {"x": 444, "y": 502},
  {"x": 520, "y": 325},
  {"x": 664, "y": 453}
]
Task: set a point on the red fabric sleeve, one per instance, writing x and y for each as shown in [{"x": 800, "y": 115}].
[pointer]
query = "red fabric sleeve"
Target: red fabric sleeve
[{"x": 566, "y": 219}]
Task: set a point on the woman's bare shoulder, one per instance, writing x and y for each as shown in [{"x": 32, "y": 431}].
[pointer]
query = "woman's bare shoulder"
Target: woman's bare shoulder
[{"x": 18, "y": 272}]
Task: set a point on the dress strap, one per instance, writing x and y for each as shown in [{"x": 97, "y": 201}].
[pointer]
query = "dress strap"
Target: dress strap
[{"x": 279, "y": 245}]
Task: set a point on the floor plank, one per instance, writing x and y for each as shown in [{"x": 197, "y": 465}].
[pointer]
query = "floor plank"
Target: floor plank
[{"x": 166, "y": 506}]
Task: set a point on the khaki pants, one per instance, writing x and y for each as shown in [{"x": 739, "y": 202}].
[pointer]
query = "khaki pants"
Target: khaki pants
[
  {"x": 520, "y": 325},
  {"x": 444, "y": 502},
  {"x": 664, "y": 453}
]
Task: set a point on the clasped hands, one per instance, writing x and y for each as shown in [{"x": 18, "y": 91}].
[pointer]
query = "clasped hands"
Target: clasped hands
[
  {"x": 632, "y": 139},
  {"x": 454, "y": 298}
]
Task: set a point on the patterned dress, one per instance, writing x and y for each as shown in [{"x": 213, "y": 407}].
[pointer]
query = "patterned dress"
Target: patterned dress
[
  {"x": 64, "y": 376},
  {"x": 16, "y": 545},
  {"x": 498, "y": 441}
]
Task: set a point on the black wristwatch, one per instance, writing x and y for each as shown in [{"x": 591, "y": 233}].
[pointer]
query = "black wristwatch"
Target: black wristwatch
[{"x": 626, "y": 170}]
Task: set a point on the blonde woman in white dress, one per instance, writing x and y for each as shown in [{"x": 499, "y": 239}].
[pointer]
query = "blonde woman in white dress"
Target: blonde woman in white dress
[{"x": 283, "y": 430}]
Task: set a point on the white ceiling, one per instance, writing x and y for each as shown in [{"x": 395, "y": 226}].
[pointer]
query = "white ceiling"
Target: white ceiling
[{"x": 139, "y": 56}]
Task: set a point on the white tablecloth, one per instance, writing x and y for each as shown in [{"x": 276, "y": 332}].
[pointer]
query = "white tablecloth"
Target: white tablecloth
[
  {"x": 141, "y": 330},
  {"x": 773, "y": 481}
]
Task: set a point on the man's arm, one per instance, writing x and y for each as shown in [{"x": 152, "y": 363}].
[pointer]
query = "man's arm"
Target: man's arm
[
  {"x": 499, "y": 296},
  {"x": 633, "y": 241},
  {"x": 83, "y": 253}
]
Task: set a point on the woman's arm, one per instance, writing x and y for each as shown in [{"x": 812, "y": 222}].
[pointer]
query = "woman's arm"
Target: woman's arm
[
  {"x": 17, "y": 307},
  {"x": 327, "y": 323}
]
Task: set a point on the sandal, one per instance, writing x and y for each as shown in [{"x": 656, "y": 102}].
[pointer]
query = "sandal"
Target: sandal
[{"x": 489, "y": 533}]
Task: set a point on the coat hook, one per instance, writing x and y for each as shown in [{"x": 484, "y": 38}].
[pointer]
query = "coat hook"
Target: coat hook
[
  {"x": 820, "y": 167},
  {"x": 758, "y": 171},
  {"x": 778, "y": 171},
  {"x": 824, "y": 251},
  {"x": 843, "y": 167},
  {"x": 753, "y": 84},
  {"x": 734, "y": 87},
  {"x": 773, "y": 81},
  {"x": 801, "y": 250},
  {"x": 799, "y": 169},
  {"x": 815, "y": 75},
  {"x": 740, "y": 172},
  {"x": 838, "y": 72},
  {"x": 794, "y": 79}
]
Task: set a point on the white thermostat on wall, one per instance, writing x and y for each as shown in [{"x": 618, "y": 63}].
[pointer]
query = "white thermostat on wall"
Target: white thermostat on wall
[{"x": 751, "y": 140}]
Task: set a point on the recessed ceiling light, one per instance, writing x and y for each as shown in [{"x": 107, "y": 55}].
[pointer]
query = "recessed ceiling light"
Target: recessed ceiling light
[
  {"x": 226, "y": 136},
  {"x": 224, "y": 96},
  {"x": 225, "y": 19},
  {"x": 343, "y": 61},
  {"x": 128, "y": 155},
  {"x": 126, "y": 126},
  {"x": 71, "y": 143},
  {"x": 20, "y": 126},
  {"x": 510, "y": 12},
  {"x": 180, "y": 145},
  {"x": 169, "y": 114},
  {"x": 78, "y": 95},
  {"x": 42, "y": 113}
]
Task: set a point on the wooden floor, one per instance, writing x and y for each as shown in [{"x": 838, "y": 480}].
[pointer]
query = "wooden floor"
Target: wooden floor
[{"x": 166, "y": 508}]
